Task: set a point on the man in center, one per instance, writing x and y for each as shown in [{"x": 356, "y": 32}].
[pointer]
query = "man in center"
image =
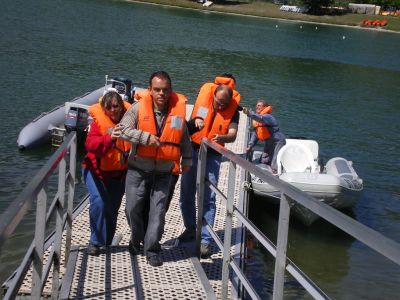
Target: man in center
[
  {"x": 216, "y": 116},
  {"x": 156, "y": 128}
]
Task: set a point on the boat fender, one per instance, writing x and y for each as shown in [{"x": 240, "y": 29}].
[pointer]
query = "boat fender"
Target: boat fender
[{"x": 343, "y": 168}]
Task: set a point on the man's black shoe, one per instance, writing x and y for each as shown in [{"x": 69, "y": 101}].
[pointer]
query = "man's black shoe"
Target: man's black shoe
[
  {"x": 187, "y": 236},
  {"x": 133, "y": 250},
  {"x": 93, "y": 250},
  {"x": 205, "y": 250},
  {"x": 154, "y": 260}
]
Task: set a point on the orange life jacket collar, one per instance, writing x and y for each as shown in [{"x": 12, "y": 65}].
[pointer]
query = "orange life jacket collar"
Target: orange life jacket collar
[{"x": 226, "y": 81}]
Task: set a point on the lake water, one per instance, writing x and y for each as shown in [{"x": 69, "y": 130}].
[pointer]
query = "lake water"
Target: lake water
[{"x": 337, "y": 85}]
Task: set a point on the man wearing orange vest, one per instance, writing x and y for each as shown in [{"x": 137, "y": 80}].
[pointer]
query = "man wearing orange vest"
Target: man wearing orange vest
[
  {"x": 215, "y": 114},
  {"x": 157, "y": 130},
  {"x": 265, "y": 129}
]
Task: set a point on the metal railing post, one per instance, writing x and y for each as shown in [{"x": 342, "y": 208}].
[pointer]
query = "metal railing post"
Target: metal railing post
[
  {"x": 71, "y": 193},
  {"x": 226, "y": 258},
  {"x": 201, "y": 171},
  {"x": 37, "y": 269},
  {"x": 59, "y": 228},
  {"x": 281, "y": 247}
]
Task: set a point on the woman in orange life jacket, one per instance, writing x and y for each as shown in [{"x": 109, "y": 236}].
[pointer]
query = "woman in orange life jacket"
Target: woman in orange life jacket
[
  {"x": 104, "y": 168},
  {"x": 265, "y": 129}
]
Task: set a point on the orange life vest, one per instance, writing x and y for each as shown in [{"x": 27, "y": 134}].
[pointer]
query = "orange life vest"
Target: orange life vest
[
  {"x": 203, "y": 108},
  {"x": 262, "y": 129},
  {"x": 116, "y": 157},
  {"x": 172, "y": 129}
]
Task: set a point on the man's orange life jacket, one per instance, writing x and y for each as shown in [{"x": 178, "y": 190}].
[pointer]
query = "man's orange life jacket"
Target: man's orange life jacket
[
  {"x": 116, "y": 157},
  {"x": 215, "y": 122},
  {"x": 262, "y": 129},
  {"x": 170, "y": 133}
]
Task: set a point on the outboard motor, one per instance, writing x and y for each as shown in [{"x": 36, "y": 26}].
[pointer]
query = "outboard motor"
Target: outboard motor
[
  {"x": 123, "y": 86},
  {"x": 77, "y": 120}
]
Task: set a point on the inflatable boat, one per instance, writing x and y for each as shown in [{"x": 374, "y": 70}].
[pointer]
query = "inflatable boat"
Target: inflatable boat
[
  {"x": 336, "y": 183},
  {"x": 39, "y": 131}
]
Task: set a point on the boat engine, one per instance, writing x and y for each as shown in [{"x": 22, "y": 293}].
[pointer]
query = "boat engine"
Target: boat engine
[
  {"x": 123, "y": 86},
  {"x": 77, "y": 119}
]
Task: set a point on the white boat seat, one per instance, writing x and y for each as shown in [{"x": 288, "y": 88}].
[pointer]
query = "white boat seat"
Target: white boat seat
[
  {"x": 310, "y": 144},
  {"x": 294, "y": 158}
]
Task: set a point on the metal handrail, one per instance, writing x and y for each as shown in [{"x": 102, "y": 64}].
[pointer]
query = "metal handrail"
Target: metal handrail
[
  {"x": 37, "y": 190},
  {"x": 373, "y": 239}
]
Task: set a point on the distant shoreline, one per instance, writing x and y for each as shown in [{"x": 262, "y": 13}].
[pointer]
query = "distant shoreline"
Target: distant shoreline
[{"x": 268, "y": 14}]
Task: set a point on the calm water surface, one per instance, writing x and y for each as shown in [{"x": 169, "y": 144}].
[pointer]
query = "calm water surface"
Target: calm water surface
[{"x": 340, "y": 86}]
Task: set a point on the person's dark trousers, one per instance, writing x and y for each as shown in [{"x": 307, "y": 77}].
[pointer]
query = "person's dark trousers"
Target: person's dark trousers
[
  {"x": 174, "y": 180},
  {"x": 141, "y": 188},
  {"x": 188, "y": 194}
]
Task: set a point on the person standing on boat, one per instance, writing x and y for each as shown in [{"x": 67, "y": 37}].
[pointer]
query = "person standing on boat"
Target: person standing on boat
[
  {"x": 265, "y": 129},
  {"x": 104, "y": 169},
  {"x": 157, "y": 130},
  {"x": 215, "y": 114}
]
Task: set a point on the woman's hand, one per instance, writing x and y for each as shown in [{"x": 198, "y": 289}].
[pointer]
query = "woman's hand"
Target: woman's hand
[
  {"x": 116, "y": 133},
  {"x": 199, "y": 123}
]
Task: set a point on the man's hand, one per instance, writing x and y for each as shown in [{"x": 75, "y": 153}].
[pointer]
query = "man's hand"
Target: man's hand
[
  {"x": 248, "y": 149},
  {"x": 217, "y": 138},
  {"x": 199, "y": 123},
  {"x": 154, "y": 141}
]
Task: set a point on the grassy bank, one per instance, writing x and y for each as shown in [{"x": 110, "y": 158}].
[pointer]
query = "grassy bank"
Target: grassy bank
[{"x": 270, "y": 10}]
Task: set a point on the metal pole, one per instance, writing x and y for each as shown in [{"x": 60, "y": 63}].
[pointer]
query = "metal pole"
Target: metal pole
[
  {"x": 71, "y": 192},
  {"x": 226, "y": 258},
  {"x": 281, "y": 248},
  {"x": 59, "y": 228},
  {"x": 201, "y": 171},
  {"x": 39, "y": 243}
]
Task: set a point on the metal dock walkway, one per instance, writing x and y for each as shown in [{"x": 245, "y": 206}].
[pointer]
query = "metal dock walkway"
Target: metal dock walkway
[{"x": 116, "y": 274}]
